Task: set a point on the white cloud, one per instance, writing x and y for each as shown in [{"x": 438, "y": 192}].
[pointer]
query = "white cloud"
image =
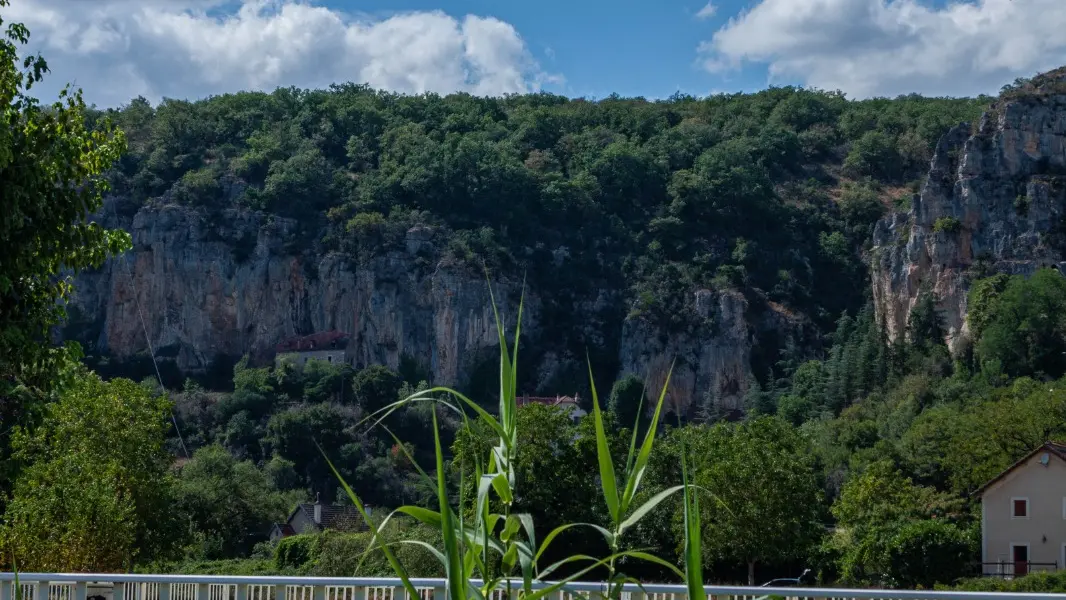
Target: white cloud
[
  {"x": 118, "y": 49},
  {"x": 708, "y": 11},
  {"x": 889, "y": 47}
]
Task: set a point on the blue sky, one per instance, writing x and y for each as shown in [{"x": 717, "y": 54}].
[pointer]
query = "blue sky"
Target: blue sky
[
  {"x": 628, "y": 47},
  {"x": 118, "y": 49}
]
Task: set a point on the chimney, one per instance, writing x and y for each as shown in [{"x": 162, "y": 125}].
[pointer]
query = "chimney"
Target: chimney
[{"x": 318, "y": 511}]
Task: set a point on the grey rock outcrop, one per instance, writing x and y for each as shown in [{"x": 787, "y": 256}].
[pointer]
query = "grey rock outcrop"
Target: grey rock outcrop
[
  {"x": 713, "y": 359},
  {"x": 994, "y": 202},
  {"x": 229, "y": 285}
]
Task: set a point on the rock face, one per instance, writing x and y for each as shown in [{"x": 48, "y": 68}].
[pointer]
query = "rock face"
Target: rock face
[
  {"x": 227, "y": 286},
  {"x": 712, "y": 362},
  {"x": 214, "y": 287},
  {"x": 994, "y": 201}
]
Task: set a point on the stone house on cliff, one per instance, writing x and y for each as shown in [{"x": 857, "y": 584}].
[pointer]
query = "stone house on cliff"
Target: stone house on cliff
[
  {"x": 330, "y": 346},
  {"x": 1023, "y": 515}
]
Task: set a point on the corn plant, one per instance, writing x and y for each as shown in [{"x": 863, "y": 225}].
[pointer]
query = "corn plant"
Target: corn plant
[{"x": 499, "y": 547}]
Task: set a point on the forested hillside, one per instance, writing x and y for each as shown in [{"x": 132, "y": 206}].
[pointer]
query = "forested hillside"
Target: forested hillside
[
  {"x": 612, "y": 211},
  {"x": 848, "y": 453}
]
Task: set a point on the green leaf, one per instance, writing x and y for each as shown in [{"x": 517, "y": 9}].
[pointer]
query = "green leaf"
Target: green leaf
[
  {"x": 641, "y": 464},
  {"x": 429, "y": 517},
  {"x": 645, "y": 508},
  {"x": 652, "y": 559},
  {"x": 375, "y": 536},
  {"x": 607, "y": 535},
  {"x": 436, "y": 553},
  {"x": 527, "y": 524},
  {"x": 510, "y": 528},
  {"x": 603, "y": 456},
  {"x": 692, "y": 558},
  {"x": 510, "y": 558},
  {"x": 457, "y": 582},
  {"x": 503, "y": 488}
]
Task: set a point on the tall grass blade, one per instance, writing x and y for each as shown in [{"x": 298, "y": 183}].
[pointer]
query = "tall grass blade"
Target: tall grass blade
[
  {"x": 401, "y": 572},
  {"x": 636, "y": 428},
  {"x": 692, "y": 554},
  {"x": 647, "y": 507},
  {"x": 454, "y": 568},
  {"x": 603, "y": 456},
  {"x": 607, "y": 535},
  {"x": 517, "y": 333},
  {"x": 641, "y": 463}
]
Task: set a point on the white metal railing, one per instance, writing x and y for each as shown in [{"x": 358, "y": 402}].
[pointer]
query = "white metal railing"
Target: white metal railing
[{"x": 67, "y": 586}]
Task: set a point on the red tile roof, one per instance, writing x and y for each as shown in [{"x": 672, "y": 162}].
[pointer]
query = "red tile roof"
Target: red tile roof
[{"x": 316, "y": 341}]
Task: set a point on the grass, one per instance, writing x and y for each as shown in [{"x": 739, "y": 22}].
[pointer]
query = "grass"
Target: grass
[{"x": 498, "y": 545}]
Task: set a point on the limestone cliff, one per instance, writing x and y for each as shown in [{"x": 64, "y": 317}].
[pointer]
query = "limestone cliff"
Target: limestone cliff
[
  {"x": 994, "y": 201},
  {"x": 229, "y": 284},
  {"x": 713, "y": 359},
  {"x": 214, "y": 287}
]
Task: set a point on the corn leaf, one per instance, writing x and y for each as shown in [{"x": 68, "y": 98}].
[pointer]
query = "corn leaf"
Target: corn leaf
[
  {"x": 398, "y": 568},
  {"x": 454, "y": 566},
  {"x": 603, "y": 456},
  {"x": 693, "y": 558},
  {"x": 645, "y": 508},
  {"x": 607, "y": 535},
  {"x": 641, "y": 464}
]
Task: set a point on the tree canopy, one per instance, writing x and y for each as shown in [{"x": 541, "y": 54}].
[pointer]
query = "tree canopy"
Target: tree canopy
[
  {"x": 53, "y": 166},
  {"x": 97, "y": 491}
]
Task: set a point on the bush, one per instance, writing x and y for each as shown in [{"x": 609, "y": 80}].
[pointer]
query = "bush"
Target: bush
[
  {"x": 924, "y": 553},
  {"x": 295, "y": 552},
  {"x": 947, "y": 225},
  {"x": 1051, "y": 583}
]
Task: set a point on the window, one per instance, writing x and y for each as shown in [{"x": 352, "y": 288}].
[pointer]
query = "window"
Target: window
[{"x": 1019, "y": 508}]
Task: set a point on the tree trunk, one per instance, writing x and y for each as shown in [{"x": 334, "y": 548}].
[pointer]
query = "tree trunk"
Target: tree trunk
[{"x": 751, "y": 572}]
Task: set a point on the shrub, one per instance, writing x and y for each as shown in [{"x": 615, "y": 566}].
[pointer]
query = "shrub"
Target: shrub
[
  {"x": 947, "y": 225},
  {"x": 923, "y": 553},
  {"x": 295, "y": 552}
]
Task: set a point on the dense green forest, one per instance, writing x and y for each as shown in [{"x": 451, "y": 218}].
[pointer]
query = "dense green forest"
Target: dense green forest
[{"x": 856, "y": 457}]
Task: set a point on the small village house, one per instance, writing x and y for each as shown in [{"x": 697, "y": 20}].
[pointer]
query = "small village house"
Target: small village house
[
  {"x": 1023, "y": 515},
  {"x": 316, "y": 518},
  {"x": 330, "y": 346}
]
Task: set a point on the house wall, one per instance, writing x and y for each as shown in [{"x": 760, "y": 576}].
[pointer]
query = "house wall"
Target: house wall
[
  {"x": 330, "y": 355},
  {"x": 302, "y": 522},
  {"x": 1045, "y": 487}
]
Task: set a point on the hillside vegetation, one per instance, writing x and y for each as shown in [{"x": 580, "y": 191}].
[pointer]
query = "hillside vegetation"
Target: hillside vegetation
[{"x": 772, "y": 194}]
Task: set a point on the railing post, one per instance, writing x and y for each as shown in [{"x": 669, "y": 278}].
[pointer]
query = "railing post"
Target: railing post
[
  {"x": 203, "y": 591},
  {"x": 440, "y": 592},
  {"x": 318, "y": 592},
  {"x": 80, "y": 590},
  {"x": 279, "y": 592},
  {"x": 118, "y": 591},
  {"x": 242, "y": 591},
  {"x": 41, "y": 591},
  {"x": 164, "y": 591}
]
